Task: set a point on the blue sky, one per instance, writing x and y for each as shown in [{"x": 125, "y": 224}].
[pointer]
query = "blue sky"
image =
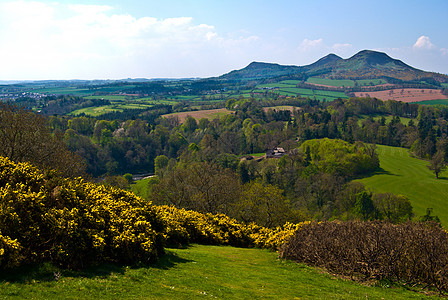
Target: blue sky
[{"x": 111, "y": 39}]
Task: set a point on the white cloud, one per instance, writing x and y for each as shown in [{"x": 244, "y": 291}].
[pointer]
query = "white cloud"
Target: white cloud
[
  {"x": 57, "y": 40},
  {"x": 309, "y": 45},
  {"x": 444, "y": 51},
  {"x": 342, "y": 47},
  {"x": 424, "y": 42}
]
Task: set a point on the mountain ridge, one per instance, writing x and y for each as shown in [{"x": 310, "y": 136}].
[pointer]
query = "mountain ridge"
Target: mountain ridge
[{"x": 363, "y": 65}]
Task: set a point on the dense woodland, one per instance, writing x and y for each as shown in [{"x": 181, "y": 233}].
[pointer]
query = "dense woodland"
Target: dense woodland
[{"x": 327, "y": 145}]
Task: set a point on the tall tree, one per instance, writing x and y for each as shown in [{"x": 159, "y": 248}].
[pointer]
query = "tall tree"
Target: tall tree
[
  {"x": 437, "y": 163},
  {"x": 25, "y": 137}
]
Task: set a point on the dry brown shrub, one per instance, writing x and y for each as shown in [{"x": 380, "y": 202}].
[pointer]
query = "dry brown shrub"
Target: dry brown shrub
[{"x": 413, "y": 253}]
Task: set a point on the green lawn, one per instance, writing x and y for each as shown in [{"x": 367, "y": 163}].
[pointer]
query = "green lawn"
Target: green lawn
[
  {"x": 198, "y": 271},
  {"x": 409, "y": 176}
]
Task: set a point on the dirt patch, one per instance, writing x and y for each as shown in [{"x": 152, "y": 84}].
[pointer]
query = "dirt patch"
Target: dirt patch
[
  {"x": 199, "y": 114},
  {"x": 405, "y": 95}
]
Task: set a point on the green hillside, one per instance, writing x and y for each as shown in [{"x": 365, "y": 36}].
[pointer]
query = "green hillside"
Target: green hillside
[
  {"x": 409, "y": 176},
  {"x": 365, "y": 64},
  {"x": 198, "y": 271}
]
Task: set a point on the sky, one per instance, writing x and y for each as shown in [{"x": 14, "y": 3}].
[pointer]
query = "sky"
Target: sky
[{"x": 112, "y": 39}]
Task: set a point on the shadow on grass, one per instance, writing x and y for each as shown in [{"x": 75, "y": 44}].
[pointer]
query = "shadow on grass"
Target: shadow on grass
[
  {"x": 47, "y": 272},
  {"x": 380, "y": 171}
]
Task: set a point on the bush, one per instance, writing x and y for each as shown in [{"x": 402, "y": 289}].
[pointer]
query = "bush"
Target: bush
[
  {"x": 409, "y": 252},
  {"x": 72, "y": 223}
]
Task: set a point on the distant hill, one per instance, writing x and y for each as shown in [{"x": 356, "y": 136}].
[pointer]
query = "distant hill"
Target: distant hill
[
  {"x": 365, "y": 64},
  {"x": 261, "y": 70}
]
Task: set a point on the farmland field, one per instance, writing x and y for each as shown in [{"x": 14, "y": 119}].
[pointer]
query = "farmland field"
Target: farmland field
[
  {"x": 199, "y": 114},
  {"x": 405, "y": 95},
  {"x": 409, "y": 176},
  {"x": 95, "y": 111},
  {"x": 330, "y": 82},
  {"x": 64, "y": 91},
  {"x": 388, "y": 118},
  {"x": 433, "y": 102},
  {"x": 284, "y": 107},
  {"x": 197, "y": 272},
  {"x": 344, "y": 82}
]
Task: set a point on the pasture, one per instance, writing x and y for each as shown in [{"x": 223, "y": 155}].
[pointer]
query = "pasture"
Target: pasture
[
  {"x": 197, "y": 271},
  {"x": 344, "y": 82},
  {"x": 403, "y": 120},
  {"x": 199, "y": 114},
  {"x": 433, "y": 102},
  {"x": 288, "y": 88},
  {"x": 403, "y": 174}
]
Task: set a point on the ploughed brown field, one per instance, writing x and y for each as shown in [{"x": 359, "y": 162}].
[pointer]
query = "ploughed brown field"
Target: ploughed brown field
[{"x": 405, "y": 95}]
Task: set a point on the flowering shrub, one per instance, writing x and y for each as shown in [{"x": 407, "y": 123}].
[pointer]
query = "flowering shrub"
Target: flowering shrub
[
  {"x": 75, "y": 223},
  {"x": 273, "y": 238},
  {"x": 71, "y": 222},
  {"x": 187, "y": 226}
]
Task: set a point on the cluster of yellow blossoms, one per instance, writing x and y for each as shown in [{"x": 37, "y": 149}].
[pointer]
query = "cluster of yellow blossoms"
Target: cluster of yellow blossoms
[{"x": 74, "y": 223}]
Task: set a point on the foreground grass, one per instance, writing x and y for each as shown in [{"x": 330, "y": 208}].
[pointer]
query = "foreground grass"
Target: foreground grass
[
  {"x": 402, "y": 174},
  {"x": 199, "y": 271}
]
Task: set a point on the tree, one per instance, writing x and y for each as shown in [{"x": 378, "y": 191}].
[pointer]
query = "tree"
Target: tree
[
  {"x": 202, "y": 187},
  {"x": 364, "y": 206},
  {"x": 263, "y": 204},
  {"x": 25, "y": 137},
  {"x": 160, "y": 164},
  {"x": 394, "y": 208},
  {"x": 437, "y": 163}
]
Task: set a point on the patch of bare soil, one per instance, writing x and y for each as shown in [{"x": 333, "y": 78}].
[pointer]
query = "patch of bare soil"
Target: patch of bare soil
[{"x": 405, "y": 95}]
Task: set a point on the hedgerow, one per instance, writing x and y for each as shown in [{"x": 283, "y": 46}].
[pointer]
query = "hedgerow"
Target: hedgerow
[{"x": 411, "y": 252}]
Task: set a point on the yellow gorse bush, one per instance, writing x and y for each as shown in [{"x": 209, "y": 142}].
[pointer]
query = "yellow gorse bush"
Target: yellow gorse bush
[
  {"x": 74, "y": 223},
  {"x": 71, "y": 222}
]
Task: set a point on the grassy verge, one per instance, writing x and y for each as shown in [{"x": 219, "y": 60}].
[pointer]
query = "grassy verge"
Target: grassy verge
[
  {"x": 199, "y": 271},
  {"x": 402, "y": 174},
  {"x": 141, "y": 187}
]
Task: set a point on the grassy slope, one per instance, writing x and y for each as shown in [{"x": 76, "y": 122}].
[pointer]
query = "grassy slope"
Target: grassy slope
[
  {"x": 200, "y": 271},
  {"x": 410, "y": 176}
]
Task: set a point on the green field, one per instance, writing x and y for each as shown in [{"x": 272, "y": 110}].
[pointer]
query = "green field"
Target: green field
[
  {"x": 345, "y": 82},
  {"x": 433, "y": 102},
  {"x": 141, "y": 187},
  {"x": 388, "y": 118},
  {"x": 95, "y": 111},
  {"x": 331, "y": 82},
  {"x": 409, "y": 176},
  {"x": 197, "y": 271},
  {"x": 100, "y": 110},
  {"x": 64, "y": 91},
  {"x": 110, "y": 97}
]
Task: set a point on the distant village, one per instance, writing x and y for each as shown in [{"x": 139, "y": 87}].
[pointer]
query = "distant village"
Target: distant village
[{"x": 11, "y": 96}]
